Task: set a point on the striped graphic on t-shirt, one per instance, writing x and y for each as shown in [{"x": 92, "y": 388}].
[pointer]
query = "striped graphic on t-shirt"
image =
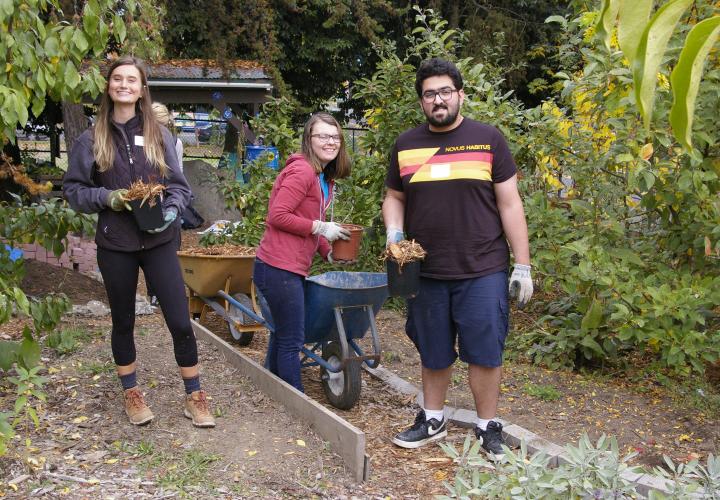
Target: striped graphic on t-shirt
[{"x": 425, "y": 166}]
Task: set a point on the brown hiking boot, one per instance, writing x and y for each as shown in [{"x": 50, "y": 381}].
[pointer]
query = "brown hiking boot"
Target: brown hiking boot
[
  {"x": 135, "y": 407},
  {"x": 198, "y": 409}
]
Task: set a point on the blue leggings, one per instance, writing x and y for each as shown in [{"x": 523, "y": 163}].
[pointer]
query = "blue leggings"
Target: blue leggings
[
  {"x": 162, "y": 271},
  {"x": 285, "y": 295}
]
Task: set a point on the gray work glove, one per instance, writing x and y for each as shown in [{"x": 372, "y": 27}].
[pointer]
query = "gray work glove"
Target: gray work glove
[
  {"x": 521, "y": 285},
  {"x": 116, "y": 200},
  {"x": 169, "y": 216},
  {"x": 330, "y": 230},
  {"x": 394, "y": 235}
]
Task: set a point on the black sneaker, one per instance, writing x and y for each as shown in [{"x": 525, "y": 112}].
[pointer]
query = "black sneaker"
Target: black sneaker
[
  {"x": 492, "y": 438},
  {"x": 422, "y": 432}
]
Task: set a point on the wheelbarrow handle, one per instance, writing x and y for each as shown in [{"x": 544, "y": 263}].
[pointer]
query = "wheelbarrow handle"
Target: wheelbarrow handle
[{"x": 244, "y": 309}]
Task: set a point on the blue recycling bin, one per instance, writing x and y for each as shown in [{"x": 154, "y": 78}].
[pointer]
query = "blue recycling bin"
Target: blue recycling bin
[{"x": 252, "y": 153}]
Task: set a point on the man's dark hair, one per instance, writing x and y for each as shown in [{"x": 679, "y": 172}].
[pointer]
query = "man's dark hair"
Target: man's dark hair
[{"x": 437, "y": 67}]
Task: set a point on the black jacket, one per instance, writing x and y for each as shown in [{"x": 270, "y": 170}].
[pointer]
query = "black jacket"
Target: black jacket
[{"x": 87, "y": 189}]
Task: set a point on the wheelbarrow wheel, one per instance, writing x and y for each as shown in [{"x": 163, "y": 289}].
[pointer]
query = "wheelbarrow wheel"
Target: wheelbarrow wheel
[
  {"x": 235, "y": 314},
  {"x": 342, "y": 388}
]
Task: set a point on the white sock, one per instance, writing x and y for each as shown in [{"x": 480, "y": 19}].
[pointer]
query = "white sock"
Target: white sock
[
  {"x": 482, "y": 423},
  {"x": 436, "y": 414}
]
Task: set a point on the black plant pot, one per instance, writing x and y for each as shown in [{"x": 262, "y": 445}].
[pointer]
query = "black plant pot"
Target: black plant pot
[
  {"x": 405, "y": 281},
  {"x": 147, "y": 217}
]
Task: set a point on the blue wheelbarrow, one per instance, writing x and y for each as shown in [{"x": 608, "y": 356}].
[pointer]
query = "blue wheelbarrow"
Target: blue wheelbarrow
[{"x": 340, "y": 307}]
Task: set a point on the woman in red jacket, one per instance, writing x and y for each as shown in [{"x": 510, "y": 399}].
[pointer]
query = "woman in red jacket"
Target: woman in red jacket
[{"x": 295, "y": 229}]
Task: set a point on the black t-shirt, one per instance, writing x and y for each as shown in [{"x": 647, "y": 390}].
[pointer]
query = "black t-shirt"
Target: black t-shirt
[{"x": 450, "y": 207}]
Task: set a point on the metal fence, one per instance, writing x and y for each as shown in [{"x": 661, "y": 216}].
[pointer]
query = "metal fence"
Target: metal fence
[{"x": 201, "y": 138}]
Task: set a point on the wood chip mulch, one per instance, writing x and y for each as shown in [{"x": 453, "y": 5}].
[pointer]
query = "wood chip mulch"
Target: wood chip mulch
[{"x": 226, "y": 249}]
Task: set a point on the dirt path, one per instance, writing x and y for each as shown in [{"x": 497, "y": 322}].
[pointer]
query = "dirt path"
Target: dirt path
[{"x": 256, "y": 450}]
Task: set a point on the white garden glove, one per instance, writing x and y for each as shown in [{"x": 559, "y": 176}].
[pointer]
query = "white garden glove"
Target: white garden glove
[
  {"x": 394, "y": 235},
  {"x": 330, "y": 230},
  {"x": 521, "y": 285}
]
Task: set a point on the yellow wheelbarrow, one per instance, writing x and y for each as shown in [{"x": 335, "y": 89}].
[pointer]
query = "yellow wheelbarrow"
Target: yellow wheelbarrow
[{"x": 208, "y": 275}]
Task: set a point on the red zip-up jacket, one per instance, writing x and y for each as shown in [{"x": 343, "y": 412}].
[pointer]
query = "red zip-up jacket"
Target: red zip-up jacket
[{"x": 296, "y": 200}]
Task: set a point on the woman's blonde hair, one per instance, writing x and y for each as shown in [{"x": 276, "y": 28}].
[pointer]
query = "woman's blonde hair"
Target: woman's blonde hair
[
  {"x": 162, "y": 114},
  {"x": 104, "y": 147},
  {"x": 342, "y": 161}
]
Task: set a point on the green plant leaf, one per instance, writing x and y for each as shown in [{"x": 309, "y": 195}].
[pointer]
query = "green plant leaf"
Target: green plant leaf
[
  {"x": 8, "y": 354},
  {"x": 557, "y": 19},
  {"x": 686, "y": 75},
  {"x": 606, "y": 21},
  {"x": 633, "y": 18},
  {"x": 72, "y": 78},
  {"x": 650, "y": 52},
  {"x": 119, "y": 28},
  {"x": 80, "y": 41},
  {"x": 52, "y": 47},
  {"x": 21, "y": 300},
  {"x": 593, "y": 316},
  {"x": 20, "y": 402},
  {"x": 29, "y": 352}
]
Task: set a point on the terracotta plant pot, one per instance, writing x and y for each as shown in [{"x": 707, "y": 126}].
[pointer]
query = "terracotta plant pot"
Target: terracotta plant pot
[
  {"x": 147, "y": 217},
  {"x": 348, "y": 249},
  {"x": 405, "y": 281}
]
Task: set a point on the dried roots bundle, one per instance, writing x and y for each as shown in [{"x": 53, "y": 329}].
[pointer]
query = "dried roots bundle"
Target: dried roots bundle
[
  {"x": 226, "y": 249},
  {"x": 404, "y": 252},
  {"x": 146, "y": 192}
]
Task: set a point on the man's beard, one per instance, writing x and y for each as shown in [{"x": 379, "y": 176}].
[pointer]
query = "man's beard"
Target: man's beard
[{"x": 448, "y": 120}]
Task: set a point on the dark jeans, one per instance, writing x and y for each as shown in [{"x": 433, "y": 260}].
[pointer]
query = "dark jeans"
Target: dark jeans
[
  {"x": 285, "y": 295},
  {"x": 162, "y": 271}
]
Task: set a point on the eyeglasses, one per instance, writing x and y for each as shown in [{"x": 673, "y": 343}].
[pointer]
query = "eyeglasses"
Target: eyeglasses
[
  {"x": 325, "y": 138},
  {"x": 445, "y": 94}
]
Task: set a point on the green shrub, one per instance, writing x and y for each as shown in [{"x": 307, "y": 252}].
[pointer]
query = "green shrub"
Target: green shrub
[{"x": 589, "y": 471}]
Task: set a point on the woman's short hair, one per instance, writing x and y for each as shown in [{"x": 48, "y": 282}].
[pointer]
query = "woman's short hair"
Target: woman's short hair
[{"x": 342, "y": 161}]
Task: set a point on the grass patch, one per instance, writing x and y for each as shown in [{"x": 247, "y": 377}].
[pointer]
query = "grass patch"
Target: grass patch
[
  {"x": 699, "y": 395},
  {"x": 143, "y": 449},
  {"x": 96, "y": 367},
  {"x": 389, "y": 357},
  {"x": 546, "y": 392},
  {"x": 68, "y": 340},
  {"x": 188, "y": 472}
]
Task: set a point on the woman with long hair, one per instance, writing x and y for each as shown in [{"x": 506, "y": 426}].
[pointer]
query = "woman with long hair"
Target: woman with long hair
[
  {"x": 295, "y": 229},
  {"x": 125, "y": 145}
]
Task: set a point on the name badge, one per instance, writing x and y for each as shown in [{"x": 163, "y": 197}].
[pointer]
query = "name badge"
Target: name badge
[
  {"x": 139, "y": 140},
  {"x": 440, "y": 170}
]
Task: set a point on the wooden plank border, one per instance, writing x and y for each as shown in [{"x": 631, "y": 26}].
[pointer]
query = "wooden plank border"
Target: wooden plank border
[{"x": 345, "y": 439}]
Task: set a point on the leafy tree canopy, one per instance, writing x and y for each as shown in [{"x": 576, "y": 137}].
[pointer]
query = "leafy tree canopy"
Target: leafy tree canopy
[
  {"x": 311, "y": 48},
  {"x": 41, "y": 53}
]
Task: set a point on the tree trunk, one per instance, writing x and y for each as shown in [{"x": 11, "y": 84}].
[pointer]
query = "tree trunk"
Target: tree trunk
[{"x": 74, "y": 122}]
